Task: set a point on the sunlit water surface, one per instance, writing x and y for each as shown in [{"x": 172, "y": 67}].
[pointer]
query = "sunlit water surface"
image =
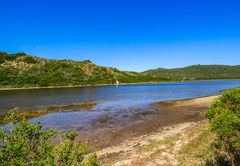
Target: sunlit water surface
[{"x": 112, "y": 102}]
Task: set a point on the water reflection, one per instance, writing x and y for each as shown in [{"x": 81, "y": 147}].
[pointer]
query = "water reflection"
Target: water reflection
[{"x": 88, "y": 107}]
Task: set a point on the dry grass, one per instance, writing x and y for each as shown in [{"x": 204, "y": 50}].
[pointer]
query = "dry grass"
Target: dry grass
[
  {"x": 198, "y": 150},
  {"x": 193, "y": 147}
]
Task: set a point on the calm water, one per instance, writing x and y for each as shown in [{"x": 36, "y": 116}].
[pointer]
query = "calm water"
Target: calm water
[{"x": 110, "y": 99}]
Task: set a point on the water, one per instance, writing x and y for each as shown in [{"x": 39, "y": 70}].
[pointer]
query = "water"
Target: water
[{"x": 112, "y": 100}]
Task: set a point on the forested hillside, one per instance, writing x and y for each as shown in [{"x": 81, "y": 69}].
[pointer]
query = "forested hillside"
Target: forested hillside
[
  {"x": 198, "y": 72},
  {"x": 21, "y": 70}
]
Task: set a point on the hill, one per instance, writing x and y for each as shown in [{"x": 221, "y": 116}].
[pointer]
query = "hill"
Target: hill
[
  {"x": 198, "y": 72},
  {"x": 22, "y": 70}
]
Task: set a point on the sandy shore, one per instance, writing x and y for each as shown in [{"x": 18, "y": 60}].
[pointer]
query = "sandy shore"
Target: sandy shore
[
  {"x": 171, "y": 117},
  {"x": 175, "y": 117}
]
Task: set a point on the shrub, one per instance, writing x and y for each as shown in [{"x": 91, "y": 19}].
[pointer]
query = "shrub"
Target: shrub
[
  {"x": 29, "y": 59},
  {"x": 12, "y": 57},
  {"x": 224, "y": 116},
  {"x": 5, "y": 56},
  {"x": 27, "y": 144},
  {"x": 116, "y": 70},
  {"x": 2, "y": 60},
  {"x": 20, "y": 54},
  {"x": 87, "y": 61}
]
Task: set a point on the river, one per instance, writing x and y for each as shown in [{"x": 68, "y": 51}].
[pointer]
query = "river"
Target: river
[{"x": 83, "y": 107}]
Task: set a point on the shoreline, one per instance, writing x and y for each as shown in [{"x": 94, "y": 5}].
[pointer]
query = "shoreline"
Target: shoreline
[
  {"x": 76, "y": 86},
  {"x": 179, "y": 117},
  {"x": 175, "y": 116},
  {"x": 172, "y": 117}
]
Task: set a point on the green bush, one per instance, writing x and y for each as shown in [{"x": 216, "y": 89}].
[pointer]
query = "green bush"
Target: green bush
[
  {"x": 11, "y": 57},
  {"x": 5, "y": 56},
  {"x": 2, "y": 60},
  {"x": 116, "y": 70},
  {"x": 29, "y": 59},
  {"x": 26, "y": 144},
  {"x": 224, "y": 116},
  {"x": 87, "y": 61}
]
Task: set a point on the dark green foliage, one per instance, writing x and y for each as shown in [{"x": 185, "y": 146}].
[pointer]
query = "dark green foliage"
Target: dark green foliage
[
  {"x": 100, "y": 75},
  {"x": 2, "y": 60},
  {"x": 26, "y": 144},
  {"x": 29, "y": 59},
  {"x": 198, "y": 72},
  {"x": 139, "y": 78},
  {"x": 116, "y": 70},
  {"x": 224, "y": 116},
  {"x": 5, "y": 56},
  {"x": 87, "y": 61},
  {"x": 64, "y": 73},
  {"x": 51, "y": 74}
]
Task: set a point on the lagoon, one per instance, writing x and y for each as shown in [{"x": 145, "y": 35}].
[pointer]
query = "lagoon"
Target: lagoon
[{"x": 65, "y": 108}]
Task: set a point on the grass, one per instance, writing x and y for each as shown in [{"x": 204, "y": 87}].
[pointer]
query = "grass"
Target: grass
[
  {"x": 153, "y": 146},
  {"x": 193, "y": 147},
  {"x": 196, "y": 150},
  {"x": 199, "y": 149}
]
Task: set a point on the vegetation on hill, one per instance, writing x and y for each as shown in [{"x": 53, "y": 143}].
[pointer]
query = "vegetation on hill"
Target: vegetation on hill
[
  {"x": 21, "y": 70},
  {"x": 198, "y": 72}
]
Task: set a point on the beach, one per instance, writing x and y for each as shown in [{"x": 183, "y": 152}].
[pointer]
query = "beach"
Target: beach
[{"x": 176, "y": 116}]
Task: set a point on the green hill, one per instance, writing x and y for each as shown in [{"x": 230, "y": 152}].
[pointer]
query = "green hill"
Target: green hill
[
  {"x": 21, "y": 70},
  {"x": 198, "y": 72}
]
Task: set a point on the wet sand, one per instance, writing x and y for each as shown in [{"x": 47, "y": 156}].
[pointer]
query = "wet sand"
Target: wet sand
[
  {"x": 122, "y": 133},
  {"x": 173, "y": 117}
]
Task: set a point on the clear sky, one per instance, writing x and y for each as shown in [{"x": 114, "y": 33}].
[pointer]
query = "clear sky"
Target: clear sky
[{"x": 133, "y": 35}]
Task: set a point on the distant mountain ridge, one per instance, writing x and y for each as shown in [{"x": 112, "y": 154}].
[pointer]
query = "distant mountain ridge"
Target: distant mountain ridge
[
  {"x": 198, "y": 72},
  {"x": 22, "y": 70}
]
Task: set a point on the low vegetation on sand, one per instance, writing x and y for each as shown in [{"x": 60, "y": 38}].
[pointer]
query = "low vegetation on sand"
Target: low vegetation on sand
[{"x": 26, "y": 144}]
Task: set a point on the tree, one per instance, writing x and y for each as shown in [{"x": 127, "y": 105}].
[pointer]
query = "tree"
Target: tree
[{"x": 29, "y": 59}]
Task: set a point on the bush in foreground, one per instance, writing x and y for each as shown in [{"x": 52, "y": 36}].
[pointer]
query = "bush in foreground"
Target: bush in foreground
[
  {"x": 27, "y": 144},
  {"x": 224, "y": 116}
]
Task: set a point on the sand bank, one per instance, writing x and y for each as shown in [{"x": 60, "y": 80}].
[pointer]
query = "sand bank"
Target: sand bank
[{"x": 175, "y": 117}]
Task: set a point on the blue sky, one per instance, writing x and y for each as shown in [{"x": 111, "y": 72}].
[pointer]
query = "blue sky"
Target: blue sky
[{"x": 129, "y": 35}]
